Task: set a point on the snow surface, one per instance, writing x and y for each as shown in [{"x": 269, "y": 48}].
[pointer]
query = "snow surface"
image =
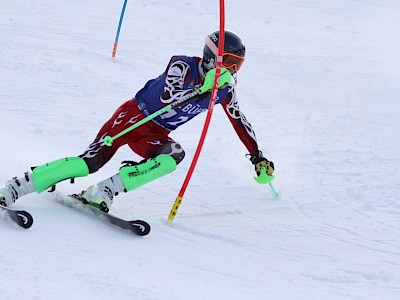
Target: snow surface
[{"x": 321, "y": 87}]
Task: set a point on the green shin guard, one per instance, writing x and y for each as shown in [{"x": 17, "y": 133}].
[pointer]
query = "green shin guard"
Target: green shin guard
[
  {"x": 53, "y": 172},
  {"x": 136, "y": 176}
]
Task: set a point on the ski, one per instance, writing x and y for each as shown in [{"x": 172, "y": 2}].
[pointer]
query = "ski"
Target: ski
[
  {"x": 21, "y": 217},
  {"x": 137, "y": 227}
]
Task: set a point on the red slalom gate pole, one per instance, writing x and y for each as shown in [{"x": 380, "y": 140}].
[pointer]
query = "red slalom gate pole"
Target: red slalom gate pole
[{"x": 214, "y": 92}]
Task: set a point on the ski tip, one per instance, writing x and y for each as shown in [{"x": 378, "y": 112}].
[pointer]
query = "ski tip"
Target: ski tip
[
  {"x": 22, "y": 218},
  {"x": 142, "y": 228},
  {"x": 25, "y": 220}
]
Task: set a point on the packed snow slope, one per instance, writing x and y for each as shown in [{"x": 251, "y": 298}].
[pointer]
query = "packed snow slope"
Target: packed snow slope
[{"x": 321, "y": 88}]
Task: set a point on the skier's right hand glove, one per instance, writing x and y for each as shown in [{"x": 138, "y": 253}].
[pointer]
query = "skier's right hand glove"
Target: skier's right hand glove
[
  {"x": 260, "y": 161},
  {"x": 225, "y": 79}
]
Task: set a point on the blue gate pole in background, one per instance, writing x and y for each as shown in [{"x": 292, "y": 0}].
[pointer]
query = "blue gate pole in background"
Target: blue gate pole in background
[{"x": 114, "y": 53}]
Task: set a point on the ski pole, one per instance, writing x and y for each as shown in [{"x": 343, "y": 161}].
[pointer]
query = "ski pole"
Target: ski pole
[
  {"x": 225, "y": 80},
  {"x": 274, "y": 192},
  {"x": 114, "y": 53},
  {"x": 108, "y": 140}
]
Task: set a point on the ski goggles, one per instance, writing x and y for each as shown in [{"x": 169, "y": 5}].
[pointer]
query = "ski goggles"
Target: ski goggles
[{"x": 230, "y": 61}]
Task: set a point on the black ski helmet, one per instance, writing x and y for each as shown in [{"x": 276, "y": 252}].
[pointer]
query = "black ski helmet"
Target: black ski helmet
[{"x": 233, "y": 55}]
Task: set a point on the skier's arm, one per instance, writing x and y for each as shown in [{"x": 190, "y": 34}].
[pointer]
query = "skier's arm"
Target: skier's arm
[
  {"x": 239, "y": 122},
  {"x": 246, "y": 133},
  {"x": 178, "y": 73}
]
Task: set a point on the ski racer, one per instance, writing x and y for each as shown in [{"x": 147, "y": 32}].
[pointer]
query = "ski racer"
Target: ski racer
[{"x": 161, "y": 154}]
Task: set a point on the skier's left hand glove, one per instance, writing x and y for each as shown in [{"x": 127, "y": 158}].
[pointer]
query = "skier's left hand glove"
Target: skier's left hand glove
[{"x": 260, "y": 161}]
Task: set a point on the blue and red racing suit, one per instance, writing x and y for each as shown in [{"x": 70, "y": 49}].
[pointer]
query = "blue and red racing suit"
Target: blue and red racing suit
[{"x": 181, "y": 76}]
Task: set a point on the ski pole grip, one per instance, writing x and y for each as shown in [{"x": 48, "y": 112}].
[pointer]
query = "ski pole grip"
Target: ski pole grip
[
  {"x": 225, "y": 79},
  {"x": 264, "y": 178}
]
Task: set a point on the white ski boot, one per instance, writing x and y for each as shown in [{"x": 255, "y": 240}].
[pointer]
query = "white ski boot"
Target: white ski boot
[
  {"x": 16, "y": 188},
  {"x": 102, "y": 195}
]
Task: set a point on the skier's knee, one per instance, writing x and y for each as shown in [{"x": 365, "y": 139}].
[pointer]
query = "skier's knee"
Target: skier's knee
[
  {"x": 173, "y": 149},
  {"x": 94, "y": 164}
]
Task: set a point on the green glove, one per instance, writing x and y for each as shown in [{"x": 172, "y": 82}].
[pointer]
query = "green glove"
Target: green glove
[{"x": 225, "y": 79}]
